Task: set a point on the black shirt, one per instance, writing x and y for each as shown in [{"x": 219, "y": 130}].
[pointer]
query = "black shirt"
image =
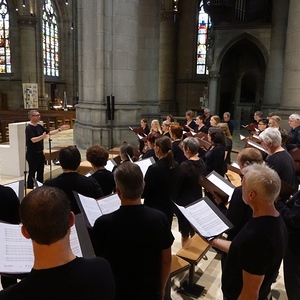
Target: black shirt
[
  {"x": 132, "y": 239},
  {"x": 34, "y": 131}
]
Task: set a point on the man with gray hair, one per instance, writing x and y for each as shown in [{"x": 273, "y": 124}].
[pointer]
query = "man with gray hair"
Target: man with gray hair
[
  {"x": 278, "y": 159},
  {"x": 226, "y": 118},
  {"x": 207, "y": 117},
  {"x": 294, "y": 134},
  {"x": 255, "y": 254},
  {"x": 136, "y": 240}
]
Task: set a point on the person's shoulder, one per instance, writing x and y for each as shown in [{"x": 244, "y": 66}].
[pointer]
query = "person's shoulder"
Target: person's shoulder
[{"x": 99, "y": 263}]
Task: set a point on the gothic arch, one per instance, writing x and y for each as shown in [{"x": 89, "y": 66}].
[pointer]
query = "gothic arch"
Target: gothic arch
[
  {"x": 242, "y": 67},
  {"x": 246, "y": 37}
]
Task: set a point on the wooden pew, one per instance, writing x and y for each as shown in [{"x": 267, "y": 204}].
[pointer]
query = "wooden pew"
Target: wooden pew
[
  {"x": 193, "y": 251},
  {"x": 178, "y": 266}
]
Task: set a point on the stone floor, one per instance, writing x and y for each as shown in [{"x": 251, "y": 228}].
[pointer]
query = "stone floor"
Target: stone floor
[{"x": 208, "y": 272}]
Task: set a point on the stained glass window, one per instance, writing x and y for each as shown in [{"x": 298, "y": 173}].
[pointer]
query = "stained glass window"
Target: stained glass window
[
  {"x": 203, "y": 25},
  {"x": 5, "y": 55},
  {"x": 50, "y": 40}
]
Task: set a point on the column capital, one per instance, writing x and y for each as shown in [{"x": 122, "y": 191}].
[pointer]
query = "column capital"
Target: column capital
[
  {"x": 214, "y": 75},
  {"x": 27, "y": 21}
]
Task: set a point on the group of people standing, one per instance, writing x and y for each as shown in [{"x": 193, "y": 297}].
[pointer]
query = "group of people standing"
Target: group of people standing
[{"x": 136, "y": 239}]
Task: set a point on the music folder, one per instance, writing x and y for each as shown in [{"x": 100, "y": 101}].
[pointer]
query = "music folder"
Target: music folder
[
  {"x": 144, "y": 164},
  {"x": 18, "y": 187},
  {"x": 16, "y": 252},
  {"x": 234, "y": 167},
  {"x": 92, "y": 208},
  {"x": 214, "y": 183},
  {"x": 206, "y": 218},
  {"x": 286, "y": 191}
]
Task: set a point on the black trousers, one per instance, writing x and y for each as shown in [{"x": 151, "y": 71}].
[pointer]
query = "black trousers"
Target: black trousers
[
  {"x": 291, "y": 269},
  {"x": 36, "y": 162}
]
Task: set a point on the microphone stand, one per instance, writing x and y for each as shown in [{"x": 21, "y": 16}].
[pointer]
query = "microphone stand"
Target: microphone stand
[
  {"x": 50, "y": 160},
  {"x": 25, "y": 167}
]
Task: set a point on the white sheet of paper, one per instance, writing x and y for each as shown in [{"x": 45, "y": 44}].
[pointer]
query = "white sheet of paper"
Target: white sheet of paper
[
  {"x": 109, "y": 204},
  {"x": 74, "y": 241},
  {"x": 144, "y": 164},
  {"x": 91, "y": 208},
  {"x": 16, "y": 253},
  {"x": 242, "y": 137},
  {"x": 221, "y": 184},
  {"x": 109, "y": 165},
  {"x": 204, "y": 219},
  {"x": 234, "y": 164}
]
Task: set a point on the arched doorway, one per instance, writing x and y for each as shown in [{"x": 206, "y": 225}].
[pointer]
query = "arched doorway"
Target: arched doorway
[{"x": 241, "y": 85}]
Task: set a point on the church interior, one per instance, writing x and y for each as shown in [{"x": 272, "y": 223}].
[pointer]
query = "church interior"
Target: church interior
[{"x": 103, "y": 65}]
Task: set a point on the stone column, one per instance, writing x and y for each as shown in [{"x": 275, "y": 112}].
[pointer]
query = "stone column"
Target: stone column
[
  {"x": 27, "y": 25},
  {"x": 108, "y": 51},
  {"x": 291, "y": 75},
  {"x": 148, "y": 59},
  {"x": 213, "y": 91},
  {"x": 274, "y": 72},
  {"x": 167, "y": 61}
]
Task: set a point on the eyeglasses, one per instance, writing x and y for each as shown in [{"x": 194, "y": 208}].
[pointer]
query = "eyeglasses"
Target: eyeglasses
[{"x": 38, "y": 115}]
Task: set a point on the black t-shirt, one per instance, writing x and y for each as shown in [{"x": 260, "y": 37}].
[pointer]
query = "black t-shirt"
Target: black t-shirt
[
  {"x": 79, "y": 279},
  {"x": 160, "y": 186},
  {"x": 69, "y": 182},
  {"x": 34, "y": 131},
  {"x": 132, "y": 239},
  {"x": 178, "y": 152},
  {"x": 106, "y": 181},
  {"x": 283, "y": 164},
  {"x": 214, "y": 160},
  {"x": 258, "y": 249},
  {"x": 9, "y": 205},
  {"x": 188, "y": 186}
]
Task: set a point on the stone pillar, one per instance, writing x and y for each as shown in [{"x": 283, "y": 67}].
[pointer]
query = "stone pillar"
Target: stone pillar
[
  {"x": 291, "y": 75},
  {"x": 148, "y": 59},
  {"x": 27, "y": 25},
  {"x": 167, "y": 61},
  {"x": 213, "y": 91},
  {"x": 108, "y": 57},
  {"x": 274, "y": 72}
]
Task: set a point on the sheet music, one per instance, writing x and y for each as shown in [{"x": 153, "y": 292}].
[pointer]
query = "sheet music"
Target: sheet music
[
  {"x": 109, "y": 204},
  {"x": 144, "y": 164},
  {"x": 14, "y": 186},
  {"x": 255, "y": 136},
  {"x": 39, "y": 184},
  {"x": 74, "y": 241},
  {"x": 242, "y": 137},
  {"x": 204, "y": 219},
  {"x": 91, "y": 208},
  {"x": 221, "y": 185},
  {"x": 256, "y": 129},
  {"x": 193, "y": 133},
  {"x": 16, "y": 254},
  {"x": 110, "y": 165}
]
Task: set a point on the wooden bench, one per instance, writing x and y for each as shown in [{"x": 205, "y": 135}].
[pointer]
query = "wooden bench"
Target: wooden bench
[
  {"x": 178, "y": 266},
  {"x": 193, "y": 251},
  {"x": 49, "y": 157}
]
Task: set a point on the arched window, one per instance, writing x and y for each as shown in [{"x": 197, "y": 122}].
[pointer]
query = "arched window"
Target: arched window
[
  {"x": 50, "y": 40},
  {"x": 5, "y": 64},
  {"x": 203, "y": 26}
]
